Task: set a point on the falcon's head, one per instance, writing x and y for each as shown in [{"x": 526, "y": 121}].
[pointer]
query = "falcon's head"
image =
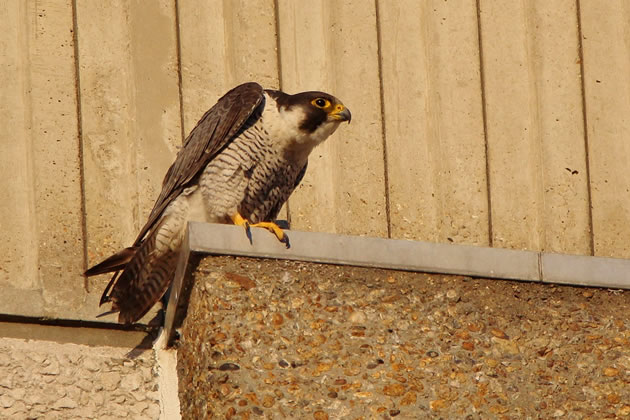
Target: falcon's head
[{"x": 315, "y": 115}]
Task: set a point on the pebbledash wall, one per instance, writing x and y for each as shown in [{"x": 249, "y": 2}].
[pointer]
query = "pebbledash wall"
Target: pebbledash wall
[{"x": 481, "y": 122}]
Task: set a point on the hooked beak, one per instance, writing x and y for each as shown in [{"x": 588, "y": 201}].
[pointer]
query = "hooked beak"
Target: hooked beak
[{"x": 341, "y": 113}]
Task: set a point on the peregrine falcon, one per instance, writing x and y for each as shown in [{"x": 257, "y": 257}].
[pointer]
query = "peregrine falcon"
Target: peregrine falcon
[{"x": 238, "y": 165}]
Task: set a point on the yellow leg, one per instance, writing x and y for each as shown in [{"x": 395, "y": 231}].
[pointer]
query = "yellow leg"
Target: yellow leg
[{"x": 239, "y": 220}]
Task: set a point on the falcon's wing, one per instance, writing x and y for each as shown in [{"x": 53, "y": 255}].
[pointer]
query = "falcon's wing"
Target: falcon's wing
[{"x": 213, "y": 132}]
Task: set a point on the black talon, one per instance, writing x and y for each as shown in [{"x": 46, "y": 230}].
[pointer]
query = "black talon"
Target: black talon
[
  {"x": 285, "y": 241},
  {"x": 248, "y": 232}
]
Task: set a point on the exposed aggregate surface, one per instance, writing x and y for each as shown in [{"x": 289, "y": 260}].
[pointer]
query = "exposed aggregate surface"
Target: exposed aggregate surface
[{"x": 281, "y": 339}]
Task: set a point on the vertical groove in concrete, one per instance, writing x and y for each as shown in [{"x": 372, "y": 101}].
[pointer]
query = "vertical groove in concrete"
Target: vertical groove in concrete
[
  {"x": 179, "y": 69},
  {"x": 285, "y": 211},
  {"x": 383, "y": 119},
  {"x": 77, "y": 77},
  {"x": 484, "y": 121},
  {"x": 538, "y": 174},
  {"x": 585, "y": 128},
  {"x": 278, "y": 49}
]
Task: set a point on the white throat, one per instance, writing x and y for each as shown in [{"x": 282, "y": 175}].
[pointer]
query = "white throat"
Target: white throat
[{"x": 283, "y": 126}]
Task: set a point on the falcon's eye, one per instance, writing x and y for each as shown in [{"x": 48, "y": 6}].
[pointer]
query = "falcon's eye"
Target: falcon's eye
[{"x": 321, "y": 103}]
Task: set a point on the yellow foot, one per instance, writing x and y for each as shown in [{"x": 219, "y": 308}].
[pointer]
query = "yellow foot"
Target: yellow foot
[
  {"x": 275, "y": 229},
  {"x": 270, "y": 226},
  {"x": 238, "y": 220}
]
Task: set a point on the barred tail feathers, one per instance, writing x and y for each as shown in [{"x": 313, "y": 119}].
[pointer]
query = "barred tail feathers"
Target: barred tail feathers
[
  {"x": 150, "y": 270},
  {"x": 144, "y": 280}
]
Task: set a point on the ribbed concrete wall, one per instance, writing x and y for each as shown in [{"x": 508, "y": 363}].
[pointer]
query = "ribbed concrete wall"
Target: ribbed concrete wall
[{"x": 478, "y": 121}]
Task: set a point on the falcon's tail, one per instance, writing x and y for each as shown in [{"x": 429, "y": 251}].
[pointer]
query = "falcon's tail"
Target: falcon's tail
[
  {"x": 149, "y": 266},
  {"x": 116, "y": 262},
  {"x": 143, "y": 281},
  {"x": 142, "y": 275}
]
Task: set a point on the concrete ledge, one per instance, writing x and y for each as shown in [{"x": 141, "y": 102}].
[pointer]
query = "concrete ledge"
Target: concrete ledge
[
  {"x": 91, "y": 334},
  {"x": 497, "y": 263},
  {"x": 581, "y": 270},
  {"x": 368, "y": 252}
]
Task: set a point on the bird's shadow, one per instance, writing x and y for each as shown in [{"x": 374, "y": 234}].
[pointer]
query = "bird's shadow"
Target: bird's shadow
[
  {"x": 153, "y": 331},
  {"x": 143, "y": 346}
]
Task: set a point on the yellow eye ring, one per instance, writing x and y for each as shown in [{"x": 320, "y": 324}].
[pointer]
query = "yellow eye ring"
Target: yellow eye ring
[{"x": 321, "y": 102}]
